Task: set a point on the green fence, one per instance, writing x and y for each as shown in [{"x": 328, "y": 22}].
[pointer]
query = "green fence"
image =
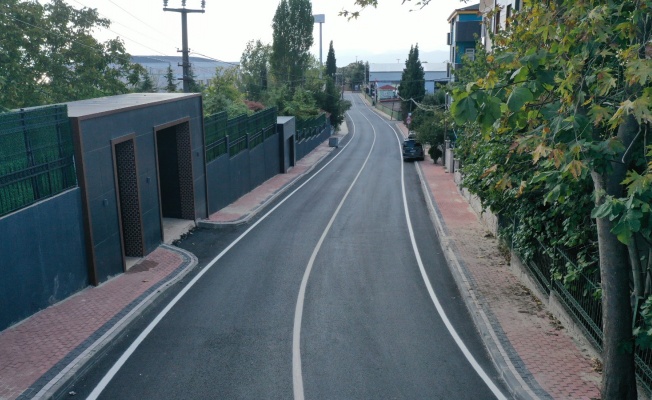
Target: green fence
[
  {"x": 215, "y": 135},
  {"x": 234, "y": 135},
  {"x": 36, "y": 156},
  {"x": 309, "y": 127},
  {"x": 579, "y": 298}
]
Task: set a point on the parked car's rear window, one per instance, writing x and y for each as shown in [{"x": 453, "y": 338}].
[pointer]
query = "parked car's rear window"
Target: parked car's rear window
[{"x": 411, "y": 143}]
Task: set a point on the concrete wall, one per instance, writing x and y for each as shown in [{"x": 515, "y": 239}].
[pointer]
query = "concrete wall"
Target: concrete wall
[
  {"x": 307, "y": 145},
  {"x": 43, "y": 256},
  {"x": 286, "y": 129},
  {"x": 229, "y": 178}
]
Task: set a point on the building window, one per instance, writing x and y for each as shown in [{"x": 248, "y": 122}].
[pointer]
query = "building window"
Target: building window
[
  {"x": 470, "y": 54},
  {"x": 517, "y": 5},
  {"x": 497, "y": 20},
  {"x": 508, "y": 14}
]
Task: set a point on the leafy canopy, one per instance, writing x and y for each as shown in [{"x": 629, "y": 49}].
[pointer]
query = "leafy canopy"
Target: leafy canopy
[
  {"x": 292, "y": 38},
  {"x": 49, "y": 55}
]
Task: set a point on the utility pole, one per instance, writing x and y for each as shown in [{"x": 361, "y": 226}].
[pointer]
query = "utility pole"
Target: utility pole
[{"x": 184, "y": 38}]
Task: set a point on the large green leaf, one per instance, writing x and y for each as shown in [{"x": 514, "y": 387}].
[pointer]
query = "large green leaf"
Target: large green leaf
[
  {"x": 464, "y": 110},
  {"x": 520, "y": 95},
  {"x": 490, "y": 112}
]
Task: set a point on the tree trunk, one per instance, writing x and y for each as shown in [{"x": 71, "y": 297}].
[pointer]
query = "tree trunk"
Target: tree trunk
[{"x": 618, "y": 379}]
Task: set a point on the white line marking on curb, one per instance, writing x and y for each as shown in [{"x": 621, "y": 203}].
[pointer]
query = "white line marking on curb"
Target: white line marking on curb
[
  {"x": 478, "y": 369},
  {"x": 452, "y": 258}
]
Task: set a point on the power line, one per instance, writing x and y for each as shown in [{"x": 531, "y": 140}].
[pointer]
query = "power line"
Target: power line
[{"x": 122, "y": 36}]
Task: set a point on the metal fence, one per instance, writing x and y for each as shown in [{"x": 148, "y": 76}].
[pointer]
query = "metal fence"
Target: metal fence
[
  {"x": 36, "y": 156},
  {"x": 393, "y": 113},
  {"x": 223, "y": 135},
  {"x": 310, "y": 127},
  {"x": 215, "y": 135},
  {"x": 580, "y": 296}
]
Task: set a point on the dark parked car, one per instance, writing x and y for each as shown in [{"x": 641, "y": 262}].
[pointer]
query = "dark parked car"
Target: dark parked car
[{"x": 412, "y": 150}]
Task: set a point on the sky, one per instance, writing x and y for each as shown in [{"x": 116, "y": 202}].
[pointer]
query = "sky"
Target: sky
[{"x": 381, "y": 35}]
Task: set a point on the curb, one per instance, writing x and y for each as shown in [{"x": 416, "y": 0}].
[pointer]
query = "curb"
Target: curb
[
  {"x": 513, "y": 380},
  {"x": 89, "y": 353},
  {"x": 245, "y": 219}
]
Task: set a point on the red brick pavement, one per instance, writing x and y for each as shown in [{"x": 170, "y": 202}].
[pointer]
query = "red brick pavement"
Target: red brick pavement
[
  {"x": 51, "y": 340},
  {"x": 553, "y": 358}
]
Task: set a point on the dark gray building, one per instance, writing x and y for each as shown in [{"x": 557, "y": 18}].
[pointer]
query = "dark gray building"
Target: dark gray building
[{"x": 140, "y": 159}]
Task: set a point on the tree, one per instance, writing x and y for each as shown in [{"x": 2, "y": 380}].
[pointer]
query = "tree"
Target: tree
[
  {"x": 171, "y": 85},
  {"x": 431, "y": 122},
  {"x": 222, "y": 94},
  {"x": 413, "y": 84},
  {"x": 569, "y": 88},
  {"x": 330, "y": 101},
  {"x": 146, "y": 84},
  {"x": 374, "y": 3},
  {"x": 254, "y": 65},
  {"x": 302, "y": 105},
  {"x": 292, "y": 39},
  {"x": 366, "y": 72},
  {"x": 193, "y": 86},
  {"x": 50, "y": 56},
  {"x": 354, "y": 74},
  {"x": 331, "y": 65}
]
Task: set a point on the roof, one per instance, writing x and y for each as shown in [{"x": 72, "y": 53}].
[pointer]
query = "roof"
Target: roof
[
  {"x": 472, "y": 9},
  {"x": 399, "y": 67},
  {"x": 174, "y": 60},
  {"x": 104, "y": 105},
  {"x": 387, "y": 87}
]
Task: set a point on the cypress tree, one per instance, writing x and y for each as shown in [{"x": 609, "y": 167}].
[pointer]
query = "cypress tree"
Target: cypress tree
[
  {"x": 413, "y": 84},
  {"x": 171, "y": 85},
  {"x": 331, "y": 66}
]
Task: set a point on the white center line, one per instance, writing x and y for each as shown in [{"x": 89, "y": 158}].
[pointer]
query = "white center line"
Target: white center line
[
  {"x": 132, "y": 348},
  {"x": 297, "y": 377}
]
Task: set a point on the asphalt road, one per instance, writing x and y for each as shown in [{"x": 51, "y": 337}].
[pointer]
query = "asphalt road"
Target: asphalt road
[{"x": 334, "y": 294}]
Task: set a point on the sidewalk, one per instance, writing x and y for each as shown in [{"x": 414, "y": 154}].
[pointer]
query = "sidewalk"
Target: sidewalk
[
  {"x": 538, "y": 359},
  {"x": 41, "y": 354}
]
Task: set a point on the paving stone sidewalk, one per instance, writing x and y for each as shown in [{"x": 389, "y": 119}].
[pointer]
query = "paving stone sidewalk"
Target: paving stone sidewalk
[
  {"x": 539, "y": 358},
  {"x": 40, "y": 354}
]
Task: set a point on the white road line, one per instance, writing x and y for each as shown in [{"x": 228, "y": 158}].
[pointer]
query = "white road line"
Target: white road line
[
  {"x": 297, "y": 377},
  {"x": 125, "y": 356},
  {"x": 440, "y": 310}
]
